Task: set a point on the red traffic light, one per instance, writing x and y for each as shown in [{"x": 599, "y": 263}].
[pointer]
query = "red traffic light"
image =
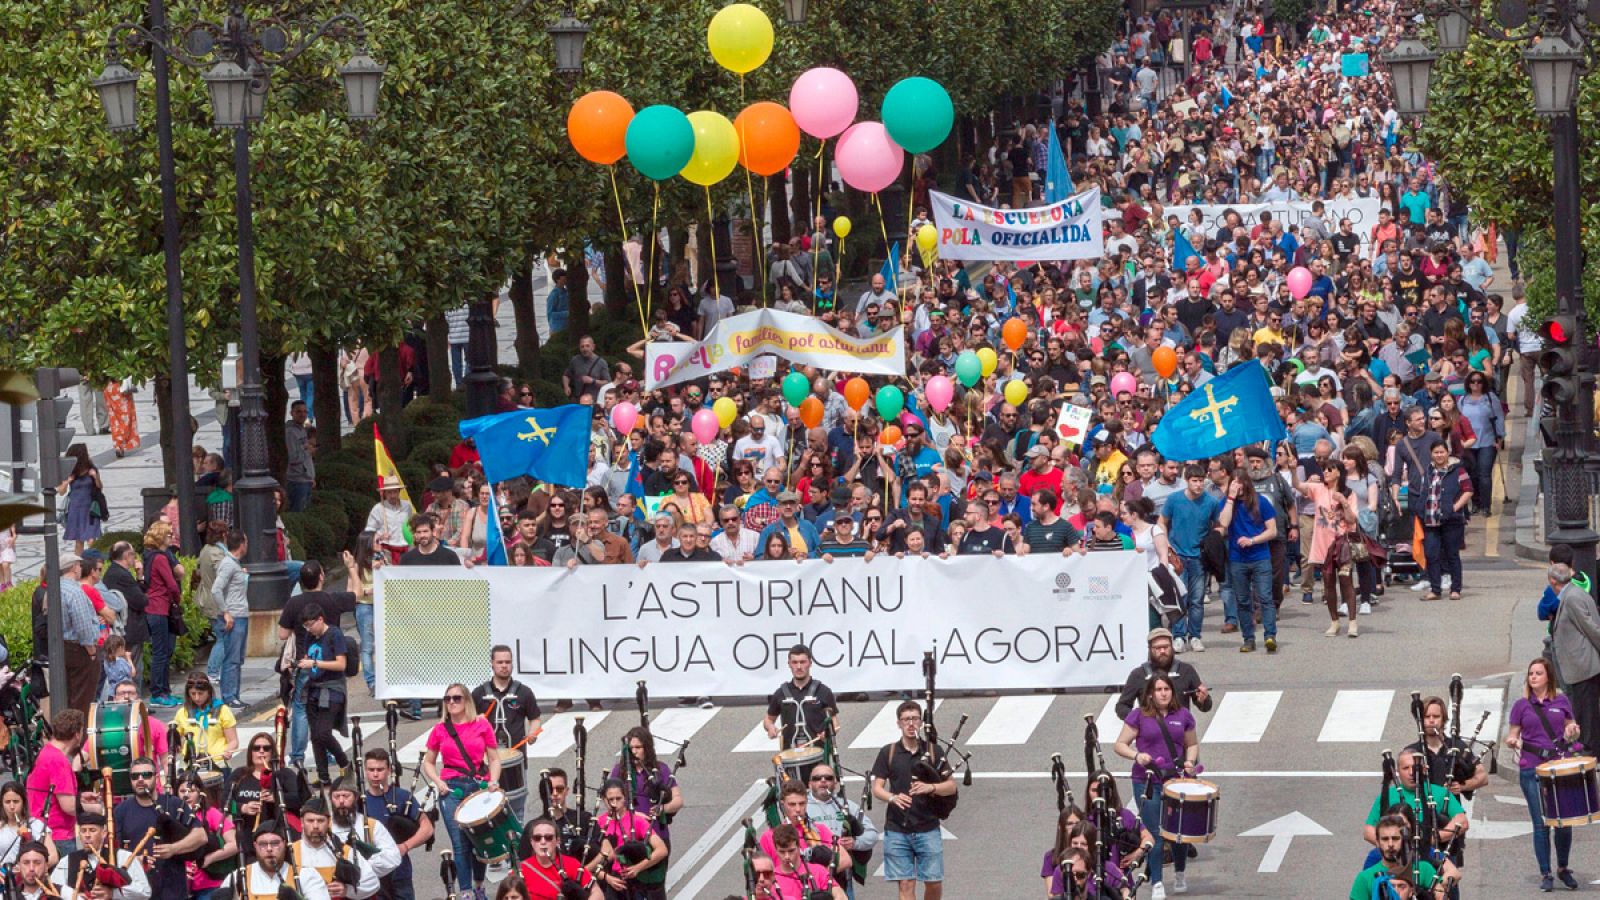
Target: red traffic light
[{"x": 1556, "y": 331}]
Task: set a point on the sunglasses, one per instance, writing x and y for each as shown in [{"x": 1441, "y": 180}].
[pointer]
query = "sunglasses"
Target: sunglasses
[
  {"x": 558, "y": 506},
  {"x": 542, "y": 838},
  {"x": 262, "y": 749},
  {"x": 455, "y": 698},
  {"x": 141, "y": 776},
  {"x": 823, "y": 778},
  {"x": 731, "y": 521}
]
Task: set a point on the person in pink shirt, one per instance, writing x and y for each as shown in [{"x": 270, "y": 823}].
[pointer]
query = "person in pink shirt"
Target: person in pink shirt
[
  {"x": 797, "y": 878},
  {"x": 461, "y": 760},
  {"x": 53, "y": 785},
  {"x": 809, "y": 834}
]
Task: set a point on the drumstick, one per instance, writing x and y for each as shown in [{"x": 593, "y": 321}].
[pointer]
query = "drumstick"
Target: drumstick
[{"x": 531, "y": 735}]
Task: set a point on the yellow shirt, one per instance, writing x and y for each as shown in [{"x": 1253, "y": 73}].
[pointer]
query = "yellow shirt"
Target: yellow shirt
[
  {"x": 1265, "y": 335},
  {"x": 208, "y": 728}
]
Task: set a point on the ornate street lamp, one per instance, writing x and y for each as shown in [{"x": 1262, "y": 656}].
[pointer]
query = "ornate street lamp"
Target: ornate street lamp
[
  {"x": 230, "y": 94},
  {"x": 568, "y": 34},
  {"x": 1411, "y": 68},
  {"x": 119, "y": 96},
  {"x": 1553, "y": 66},
  {"x": 794, "y": 11},
  {"x": 1451, "y": 27},
  {"x": 362, "y": 77}
]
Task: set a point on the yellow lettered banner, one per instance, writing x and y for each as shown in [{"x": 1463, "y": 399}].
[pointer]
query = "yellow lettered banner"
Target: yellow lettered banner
[{"x": 740, "y": 339}]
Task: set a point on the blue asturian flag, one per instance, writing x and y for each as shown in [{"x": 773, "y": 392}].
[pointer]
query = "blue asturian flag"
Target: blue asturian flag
[
  {"x": 891, "y": 268},
  {"x": 548, "y": 444},
  {"x": 494, "y": 544},
  {"x": 1057, "y": 177},
  {"x": 1181, "y": 250},
  {"x": 1229, "y": 411}
]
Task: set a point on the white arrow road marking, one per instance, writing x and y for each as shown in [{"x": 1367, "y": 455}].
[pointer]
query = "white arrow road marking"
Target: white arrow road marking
[{"x": 1283, "y": 830}]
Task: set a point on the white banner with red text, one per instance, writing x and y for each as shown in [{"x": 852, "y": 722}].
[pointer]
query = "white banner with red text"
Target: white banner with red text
[
  {"x": 1069, "y": 229},
  {"x": 1363, "y": 214},
  {"x": 709, "y": 629}
]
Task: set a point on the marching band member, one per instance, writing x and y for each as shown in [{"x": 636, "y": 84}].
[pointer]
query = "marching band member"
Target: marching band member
[
  {"x": 828, "y": 806},
  {"x": 384, "y": 801},
  {"x": 1543, "y": 727},
  {"x": 510, "y": 707},
  {"x": 1054, "y": 855},
  {"x": 652, "y": 780},
  {"x": 18, "y": 828},
  {"x": 151, "y": 728},
  {"x": 798, "y": 878},
  {"x": 576, "y": 828},
  {"x": 30, "y": 868},
  {"x": 624, "y": 830},
  {"x": 1159, "y": 736},
  {"x": 272, "y": 873},
  {"x": 547, "y": 872},
  {"x": 206, "y": 724},
  {"x": 806, "y": 707},
  {"x": 346, "y": 873},
  {"x": 764, "y": 872},
  {"x": 79, "y": 867},
  {"x": 913, "y": 849},
  {"x": 460, "y": 760},
  {"x": 1435, "y": 716},
  {"x": 1127, "y": 840},
  {"x": 351, "y": 825},
  {"x": 264, "y": 791},
  {"x": 1162, "y": 661},
  {"x": 52, "y": 784},
  {"x": 1395, "y": 867},
  {"x": 820, "y": 842},
  {"x": 225, "y": 846},
  {"x": 177, "y": 831}
]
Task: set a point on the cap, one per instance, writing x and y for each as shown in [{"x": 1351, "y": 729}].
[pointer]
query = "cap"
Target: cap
[
  {"x": 391, "y": 483},
  {"x": 788, "y": 497},
  {"x": 344, "y": 783},
  {"x": 1433, "y": 378},
  {"x": 1098, "y": 379},
  {"x": 90, "y": 554},
  {"x": 68, "y": 560},
  {"x": 1157, "y": 634},
  {"x": 441, "y": 484},
  {"x": 840, "y": 496},
  {"x": 316, "y": 806},
  {"x": 1255, "y": 452},
  {"x": 1038, "y": 450},
  {"x": 630, "y": 385}
]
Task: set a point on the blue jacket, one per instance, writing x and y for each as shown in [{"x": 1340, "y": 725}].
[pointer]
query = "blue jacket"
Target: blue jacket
[
  {"x": 1550, "y": 602},
  {"x": 807, "y": 530},
  {"x": 1449, "y": 492}
]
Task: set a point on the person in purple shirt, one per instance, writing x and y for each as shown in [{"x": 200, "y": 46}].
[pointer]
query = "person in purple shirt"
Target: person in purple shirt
[
  {"x": 1159, "y": 736},
  {"x": 1543, "y": 727}
]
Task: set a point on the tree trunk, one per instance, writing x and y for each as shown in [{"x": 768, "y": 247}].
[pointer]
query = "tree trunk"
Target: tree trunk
[
  {"x": 327, "y": 397},
  {"x": 617, "y": 291},
  {"x": 677, "y": 251},
  {"x": 438, "y": 342},
  {"x": 782, "y": 229},
  {"x": 391, "y": 424},
  {"x": 276, "y": 399},
  {"x": 527, "y": 318},
  {"x": 800, "y": 199},
  {"x": 169, "y": 459},
  {"x": 578, "y": 288}
]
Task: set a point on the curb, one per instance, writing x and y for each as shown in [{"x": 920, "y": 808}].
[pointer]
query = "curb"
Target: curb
[{"x": 1529, "y": 541}]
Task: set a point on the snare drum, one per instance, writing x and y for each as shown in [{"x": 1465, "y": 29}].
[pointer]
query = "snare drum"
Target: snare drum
[
  {"x": 1568, "y": 791},
  {"x": 797, "y": 762},
  {"x": 489, "y": 825},
  {"x": 211, "y": 782},
  {"x": 1189, "y": 811},
  {"x": 115, "y": 740},
  {"x": 513, "y": 777}
]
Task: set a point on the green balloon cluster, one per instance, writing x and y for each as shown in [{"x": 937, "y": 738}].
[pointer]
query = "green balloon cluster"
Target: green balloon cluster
[
  {"x": 890, "y": 401},
  {"x": 918, "y": 113},
  {"x": 795, "y": 388},
  {"x": 660, "y": 142},
  {"x": 968, "y": 368}
]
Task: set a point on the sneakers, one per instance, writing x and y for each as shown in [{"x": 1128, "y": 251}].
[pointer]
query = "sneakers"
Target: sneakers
[
  {"x": 1180, "y": 645},
  {"x": 1366, "y": 608},
  {"x": 1546, "y": 884},
  {"x": 1272, "y": 645},
  {"x": 166, "y": 700},
  {"x": 1333, "y": 629},
  {"x": 1180, "y": 884},
  {"x": 1421, "y": 585},
  {"x": 1446, "y": 580},
  {"x": 1566, "y": 878},
  {"x": 1306, "y": 598},
  {"x": 1159, "y": 891},
  {"x": 1246, "y": 647},
  {"x": 1229, "y": 628},
  {"x": 1195, "y": 646}
]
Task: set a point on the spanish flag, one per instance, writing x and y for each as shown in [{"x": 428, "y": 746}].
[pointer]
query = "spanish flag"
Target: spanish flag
[{"x": 388, "y": 474}]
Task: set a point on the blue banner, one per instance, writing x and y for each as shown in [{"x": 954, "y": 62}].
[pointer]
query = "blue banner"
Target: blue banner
[
  {"x": 1231, "y": 410},
  {"x": 548, "y": 444}
]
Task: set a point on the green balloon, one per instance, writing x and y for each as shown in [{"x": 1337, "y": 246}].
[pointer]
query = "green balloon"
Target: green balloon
[
  {"x": 660, "y": 142},
  {"x": 795, "y": 388},
  {"x": 918, "y": 113},
  {"x": 890, "y": 401},
  {"x": 968, "y": 368}
]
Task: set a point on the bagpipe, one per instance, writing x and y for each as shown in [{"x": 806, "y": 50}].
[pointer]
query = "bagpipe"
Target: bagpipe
[
  {"x": 931, "y": 766},
  {"x": 658, "y": 794},
  {"x": 1462, "y": 764},
  {"x": 404, "y": 820},
  {"x": 1106, "y": 819}
]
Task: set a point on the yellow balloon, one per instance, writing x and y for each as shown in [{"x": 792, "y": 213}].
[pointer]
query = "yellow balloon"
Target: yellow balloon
[
  {"x": 726, "y": 411},
  {"x": 716, "y": 148},
  {"x": 740, "y": 37},
  {"x": 1016, "y": 392},
  {"x": 927, "y": 238},
  {"x": 988, "y": 360},
  {"x": 841, "y": 226}
]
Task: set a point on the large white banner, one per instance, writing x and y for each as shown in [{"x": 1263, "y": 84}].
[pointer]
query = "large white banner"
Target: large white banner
[
  {"x": 708, "y": 629},
  {"x": 1363, "y": 214},
  {"x": 1070, "y": 229},
  {"x": 740, "y": 339}
]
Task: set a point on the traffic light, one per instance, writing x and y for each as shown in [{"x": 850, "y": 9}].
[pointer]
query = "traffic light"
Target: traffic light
[
  {"x": 51, "y": 421},
  {"x": 1558, "y": 361}
]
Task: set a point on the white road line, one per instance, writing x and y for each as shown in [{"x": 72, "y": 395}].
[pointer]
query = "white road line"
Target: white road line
[
  {"x": 1012, "y": 720},
  {"x": 678, "y": 725},
  {"x": 556, "y": 738},
  {"x": 710, "y": 869},
  {"x": 883, "y": 728},
  {"x": 1209, "y": 774},
  {"x": 1242, "y": 717},
  {"x": 1356, "y": 716},
  {"x": 1475, "y": 701},
  {"x": 729, "y": 819},
  {"x": 757, "y": 741},
  {"x": 1108, "y": 722}
]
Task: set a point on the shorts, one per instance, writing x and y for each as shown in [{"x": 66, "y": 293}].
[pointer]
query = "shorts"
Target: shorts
[{"x": 913, "y": 856}]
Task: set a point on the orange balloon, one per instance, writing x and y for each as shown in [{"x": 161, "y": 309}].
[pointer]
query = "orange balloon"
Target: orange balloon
[
  {"x": 890, "y": 436},
  {"x": 1165, "y": 359},
  {"x": 1014, "y": 333},
  {"x": 597, "y": 125},
  {"x": 811, "y": 412},
  {"x": 856, "y": 393},
  {"x": 768, "y": 137}
]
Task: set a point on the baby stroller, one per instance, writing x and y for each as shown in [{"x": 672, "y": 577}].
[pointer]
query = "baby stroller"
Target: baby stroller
[{"x": 1402, "y": 567}]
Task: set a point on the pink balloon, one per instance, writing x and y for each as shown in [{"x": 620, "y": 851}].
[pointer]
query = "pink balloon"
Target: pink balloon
[
  {"x": 624, "y": 416},
  {"x": 1300, "y": 280},
  {"x": 705, "y": 426},
  {"x": 940, "y": 391},
  {"x": 869, "y": 160},
  {"x": 1124, "y": 383},
  {"x": 823, "y": 102}
]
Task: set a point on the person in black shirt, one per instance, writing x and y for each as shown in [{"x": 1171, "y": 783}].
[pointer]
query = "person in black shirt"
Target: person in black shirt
[
  {"x": 427, "y": 551},
  {"x": 981, "y": 537},
  {"x": 325, "y": 659},
  {"x": 1346, "y": 243},
  {"x": 514, "y": 711},
  {"x": 694, "y": 545},
  {"x": 912, "y": 846},
  {"x": 334, "y": 604},
  {"x": 175, "y": 827},
  {"x": 805, "y": 706}
]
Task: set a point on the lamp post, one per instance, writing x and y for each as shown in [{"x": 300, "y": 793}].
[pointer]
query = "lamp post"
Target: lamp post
[
  {"x": 238, "y": 57},
  {"x": 1556, "y": 39}
]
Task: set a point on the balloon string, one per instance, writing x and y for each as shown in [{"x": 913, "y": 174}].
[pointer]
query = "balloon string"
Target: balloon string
[
  {"x": 894, "y": 269},
  {"x": 711, "y": 236},
  {"x": 911, "y": 237},
  {"x": 758, "y": 237},
  {"x": 838, "y": 262},
  {"x": 622, "y": 225},
  {"x": 655, "y": 235},
  {"x": 822, "y": 234}
]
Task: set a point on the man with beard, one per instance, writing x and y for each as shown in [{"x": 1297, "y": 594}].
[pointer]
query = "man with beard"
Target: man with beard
[
  {"x": 576, "y": 834},
  {"x": 29, "y": 871},
  {"x": 550, "y": 874},
  {"x": 354, "y": 827},
  {"x": 77, "y": 869},
  {"x": 1449, "y": 816},
  {"x": 346, "y": 873},
  {"x": 177, "y": 832},
  {"x": 383, "y": 800},
  {"x": 827, "y": 806},
  {"x": 1185, "y": 680},
  {"x": 263, "y": 878},
  {"x": 1395, "y": 866}
]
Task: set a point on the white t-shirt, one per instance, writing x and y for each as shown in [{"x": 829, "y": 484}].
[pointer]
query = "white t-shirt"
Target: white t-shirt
[
  {"x": 714, "y": 310},
  {"x": 1528, "y": 340},
  {"x": 761, "y": 454}
]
